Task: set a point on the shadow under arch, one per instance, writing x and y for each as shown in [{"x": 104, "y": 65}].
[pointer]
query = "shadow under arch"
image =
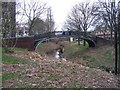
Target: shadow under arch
[{"x": 90, "y": 42}]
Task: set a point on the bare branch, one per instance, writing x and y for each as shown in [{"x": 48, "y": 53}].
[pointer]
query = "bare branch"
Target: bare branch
[
  {"x": 33, "y": 11},
  {"x": 82, "y": 17}
]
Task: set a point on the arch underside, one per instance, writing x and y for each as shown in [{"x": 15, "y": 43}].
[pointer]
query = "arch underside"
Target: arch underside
[{"x": 90, "y": 42}]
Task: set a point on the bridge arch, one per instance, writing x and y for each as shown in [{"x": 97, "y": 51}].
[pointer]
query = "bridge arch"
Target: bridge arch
[
  {"x": 90, "y": 42},
  {"x": 37, "y": 42}
]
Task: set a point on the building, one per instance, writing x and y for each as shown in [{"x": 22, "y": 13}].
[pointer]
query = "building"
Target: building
[
  {"x": 21, "y": 31},
  {"x": 0, "y": 19},
  {"x": 8, "y": 19}
]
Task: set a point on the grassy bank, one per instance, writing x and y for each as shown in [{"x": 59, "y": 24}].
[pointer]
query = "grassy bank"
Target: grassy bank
[
  {"x": 10, "y": 60},
  {"x": 101, "y": 57},
  {"x": 74, "y": 50},
  {"x": 13, "y": 66},
  {"x": 51, "y": 73}
]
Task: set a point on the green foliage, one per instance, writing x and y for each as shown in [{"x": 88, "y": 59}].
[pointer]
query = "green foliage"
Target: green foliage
[
  {"x": 53, "y": 77},
  {"x": 6, "y": 76},
  {"x": 108, "y": 55},
  {"x": 108, "y": 69},
  {"x": 101, "y": 57},
  {"x": 11, "y": 60},
  {"x": 14, "y": 49},
  {"x": 91, "y": 61},
  {"x": 75, "y": 50},
  {"x": 60, "y": 65},
  {"x": 40, "y": 45},
  {"x": 0, "y": 54},
  {"x": 19, "y": 49},
  {"x": 104, "y": 61},
  {"x": 74, "y": 85}
]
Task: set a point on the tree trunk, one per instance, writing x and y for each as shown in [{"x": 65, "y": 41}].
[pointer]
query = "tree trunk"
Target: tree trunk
[
  {"x": 111, "y": 37},
  {"x": 78, "y": 41},
  {"x": 84, "y": 43}
]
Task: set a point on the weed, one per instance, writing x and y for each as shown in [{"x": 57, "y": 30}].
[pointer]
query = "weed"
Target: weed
[
  {"x": 75, "y": 85},
  {"x": 19, "y": 49},
  {"x": 0, "y": 54},
  {"x": 94, "y": 58},
  {"x": 11, "y": 60},
  {"x": 6, "y": 76},
  {"x": 108, "y": 56},
  {"x": 75, "y": 50},
  {"x": 41, "y": 45},
  {"x": 53, "y": 77},
  {"x": 107, "y": 69},
  {"x": 60, "y": 65}
]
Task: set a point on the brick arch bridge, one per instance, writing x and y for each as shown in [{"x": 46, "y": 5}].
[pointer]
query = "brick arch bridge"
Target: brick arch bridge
[
  {"x": 30, "y": 43},
  {"x": 65, "y": 35}
]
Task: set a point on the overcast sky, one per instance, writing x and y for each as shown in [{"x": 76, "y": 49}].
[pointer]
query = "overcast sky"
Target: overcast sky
[{"x": 60, "y": 9}]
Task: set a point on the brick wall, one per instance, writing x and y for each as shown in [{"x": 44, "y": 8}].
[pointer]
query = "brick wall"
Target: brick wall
[{"x": 24, "y": 42}]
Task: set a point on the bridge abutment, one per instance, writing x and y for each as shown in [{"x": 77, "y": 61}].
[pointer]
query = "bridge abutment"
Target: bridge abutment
[{"x": 22, "y": 42}]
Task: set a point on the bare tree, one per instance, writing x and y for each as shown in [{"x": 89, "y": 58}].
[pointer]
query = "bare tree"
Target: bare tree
[
  {"x": 8, "y": 24},
  {"x": 39, "y": 26},
  {"x": 49, "y": 20},
  {"x": 32, "y": 11},
  {"x": 108, "y": 13},
  {"x": 82, "y": 17},
  {"x": 8, "y": 19}
]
